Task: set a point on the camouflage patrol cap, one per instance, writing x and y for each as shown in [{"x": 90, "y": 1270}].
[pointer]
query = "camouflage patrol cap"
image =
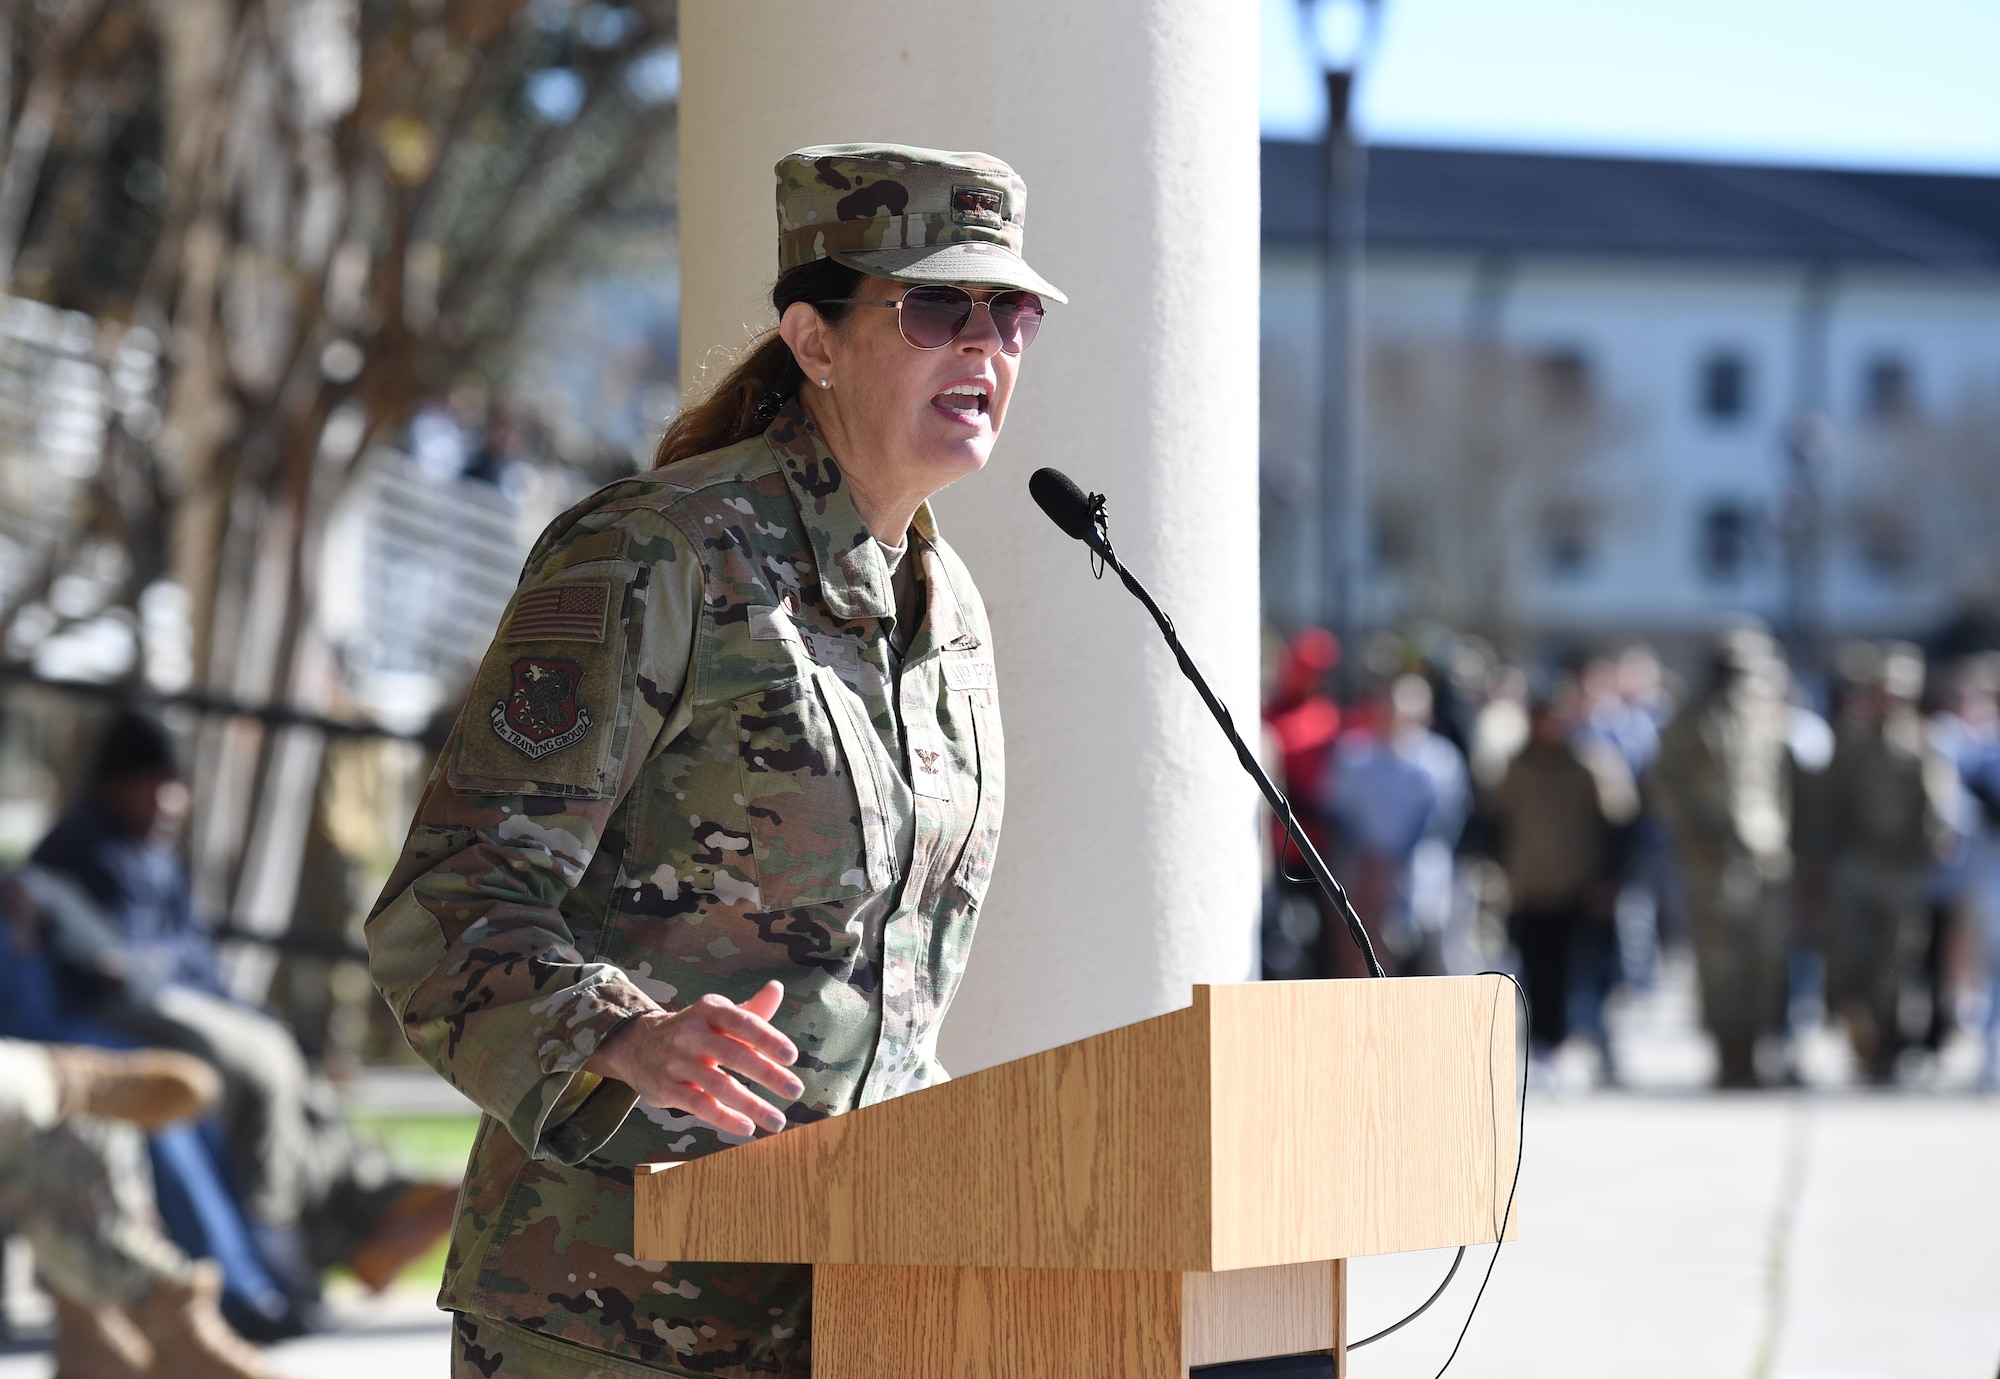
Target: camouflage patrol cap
[
  {"x": 1858, "y": 664},
  {"x": 917, "y": 215},
  {"x": 1903, "y": 670},
  {"x": 1895, "y": 668},
  {"x": 1744, "y": 645}
]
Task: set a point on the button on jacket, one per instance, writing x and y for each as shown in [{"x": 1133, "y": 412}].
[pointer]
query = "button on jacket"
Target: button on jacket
[{"x": 689, "y": 764}]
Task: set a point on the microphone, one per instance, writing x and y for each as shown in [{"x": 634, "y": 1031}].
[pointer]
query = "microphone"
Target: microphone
[
  {"x": 1083, "y": 518},
  {"x": 1058, "y": 496}
]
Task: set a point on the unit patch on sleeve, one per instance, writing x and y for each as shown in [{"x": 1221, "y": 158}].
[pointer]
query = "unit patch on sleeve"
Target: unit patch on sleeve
[
  {"x": 541, "y": 713},
  {"x": 560, "y": 613}
]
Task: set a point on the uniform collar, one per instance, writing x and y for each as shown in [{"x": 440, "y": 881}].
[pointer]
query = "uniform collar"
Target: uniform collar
[
  {"x": 853, "y": 576},
  {"x": 946, "y": 621}
]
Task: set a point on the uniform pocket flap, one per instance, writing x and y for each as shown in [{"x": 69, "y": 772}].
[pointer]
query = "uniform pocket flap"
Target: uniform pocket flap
[
  {"x": 776, "y": 624},
  {"x": 772, "y": 624}
]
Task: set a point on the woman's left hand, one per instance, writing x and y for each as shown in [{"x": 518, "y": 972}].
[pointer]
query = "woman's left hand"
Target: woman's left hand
[{"x": 684, "y": 1060}]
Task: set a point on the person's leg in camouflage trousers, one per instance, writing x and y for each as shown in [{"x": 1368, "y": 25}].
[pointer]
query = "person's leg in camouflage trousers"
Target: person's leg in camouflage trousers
[
  {"x": 1874, "y": 915},
  {"x": 77, "y": 1186},
  {"x": 1740, "y": 931}
]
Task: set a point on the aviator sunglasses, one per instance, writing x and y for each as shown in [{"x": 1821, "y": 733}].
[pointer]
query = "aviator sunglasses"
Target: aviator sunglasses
[{"x": 931, "y": 317}]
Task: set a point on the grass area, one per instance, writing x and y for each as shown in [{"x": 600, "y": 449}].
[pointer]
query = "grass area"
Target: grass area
[
  {"x": 433, "y": 1146},
  {"x": 430, "y": 1144}
]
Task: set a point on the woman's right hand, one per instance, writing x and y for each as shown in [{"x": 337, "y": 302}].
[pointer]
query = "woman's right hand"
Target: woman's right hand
[{"x": 684, "y": 1061}]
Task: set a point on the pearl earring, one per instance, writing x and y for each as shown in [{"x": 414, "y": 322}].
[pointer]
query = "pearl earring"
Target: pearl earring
[{"x": 826, "y": 383}]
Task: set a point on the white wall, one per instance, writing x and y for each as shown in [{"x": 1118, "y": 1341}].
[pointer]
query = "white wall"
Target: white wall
[{"x": 1128, "y": 866}]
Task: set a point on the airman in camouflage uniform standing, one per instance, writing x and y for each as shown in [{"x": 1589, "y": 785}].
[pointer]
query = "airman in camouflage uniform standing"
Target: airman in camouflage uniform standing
[
  {"x": 1885, "y": 798},
  {"x": 724, "y": 736},
  {"x": 1722, "y": 787}
]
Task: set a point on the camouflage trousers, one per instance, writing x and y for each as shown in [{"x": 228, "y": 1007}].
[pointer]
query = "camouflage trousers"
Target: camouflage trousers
[
  {"x": 1741, "y": 924},
  {"x": 80, "y": 1190},
  {"x": 1873, "y": 934},
  {"x": 482, "y": 1348}
]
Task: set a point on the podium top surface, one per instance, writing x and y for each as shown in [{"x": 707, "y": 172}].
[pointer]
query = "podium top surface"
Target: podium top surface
[{"x": 1266, "y": 1123}]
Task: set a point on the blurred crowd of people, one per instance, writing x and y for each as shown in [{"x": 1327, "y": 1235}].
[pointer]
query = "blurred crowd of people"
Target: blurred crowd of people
[{"x": 1832, "y": 854}]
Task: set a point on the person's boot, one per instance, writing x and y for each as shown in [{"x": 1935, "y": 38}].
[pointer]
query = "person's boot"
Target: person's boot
[
  {"x": 149, "y": 1087},
  {"x": 1736, "y": 1062},
  {"x": 98, "y": 1343},
  {"x": 1865, "y": 1036},
  {"x": 419, "y": 1217},
  {"x": 190, "y": 1339}
]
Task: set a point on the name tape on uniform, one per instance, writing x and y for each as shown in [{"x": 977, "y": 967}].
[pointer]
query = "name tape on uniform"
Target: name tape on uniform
[{"x": 968, "y": 672}]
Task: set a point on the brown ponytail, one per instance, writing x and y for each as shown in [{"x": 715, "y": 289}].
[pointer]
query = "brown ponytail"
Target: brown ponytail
[{"x": 766, "y": 377}]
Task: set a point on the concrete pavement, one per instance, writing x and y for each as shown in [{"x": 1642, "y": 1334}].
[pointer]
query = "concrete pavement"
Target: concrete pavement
[
  {"x": 1831, "y": 1232},
  {"x": 1795, "y": 1237}
]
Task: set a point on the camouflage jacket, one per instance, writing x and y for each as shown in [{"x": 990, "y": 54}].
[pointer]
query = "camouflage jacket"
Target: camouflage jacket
[
  {"x": 686, "y": 766},
  {"x": 1883, "y": 800},
  {"x": 1722, "y": 785}
]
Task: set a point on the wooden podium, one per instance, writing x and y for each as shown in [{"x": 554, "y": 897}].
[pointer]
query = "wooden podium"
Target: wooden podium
[{"x": 1180, "y": 1192}]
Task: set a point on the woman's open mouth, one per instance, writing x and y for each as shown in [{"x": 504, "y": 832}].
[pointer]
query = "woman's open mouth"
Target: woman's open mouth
[{"x": 966, "y": 402}]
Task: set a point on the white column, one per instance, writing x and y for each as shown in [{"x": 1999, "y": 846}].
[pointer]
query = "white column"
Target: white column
[{"x": 1128, "y": 866}]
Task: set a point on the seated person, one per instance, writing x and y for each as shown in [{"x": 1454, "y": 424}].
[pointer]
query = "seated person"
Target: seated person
[
  {"x": 128, "y": 1304},
  {"x": 150, "y": 970}
]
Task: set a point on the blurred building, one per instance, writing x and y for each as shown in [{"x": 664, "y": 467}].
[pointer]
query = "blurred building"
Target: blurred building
[{"x": 1616, "y": 396}]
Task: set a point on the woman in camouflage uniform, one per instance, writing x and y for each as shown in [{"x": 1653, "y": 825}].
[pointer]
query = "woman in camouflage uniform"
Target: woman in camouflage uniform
[{"x": 703, "y": 856}]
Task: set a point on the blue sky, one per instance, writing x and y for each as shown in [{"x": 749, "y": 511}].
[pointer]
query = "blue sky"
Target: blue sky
[{"x": 1862, "y": 83}]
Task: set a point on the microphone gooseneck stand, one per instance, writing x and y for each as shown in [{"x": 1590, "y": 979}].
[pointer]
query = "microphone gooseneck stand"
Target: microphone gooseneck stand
[{"x": 1083, "y": 518}]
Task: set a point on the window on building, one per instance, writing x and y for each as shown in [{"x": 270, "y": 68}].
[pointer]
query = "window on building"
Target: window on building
[
  {"x": 1569, "y": 539},
  {"x": 1394, "y": 532},
  {"x": 1725, "y": 386},
  {"x": 1565, "y": 377},
  {"x": 1888, "y": 390},
  {"x": 1731, "y": 532}
]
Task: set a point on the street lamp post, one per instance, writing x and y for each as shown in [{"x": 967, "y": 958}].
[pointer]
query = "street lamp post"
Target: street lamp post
[
  {"x": 1808, "y": 443},
  {"x": 1343, "y": 527},
  {"x": 1808, "y": 447}
]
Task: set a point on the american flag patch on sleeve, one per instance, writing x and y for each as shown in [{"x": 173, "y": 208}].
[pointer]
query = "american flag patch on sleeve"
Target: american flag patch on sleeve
[{"x": 564, "y": 613}]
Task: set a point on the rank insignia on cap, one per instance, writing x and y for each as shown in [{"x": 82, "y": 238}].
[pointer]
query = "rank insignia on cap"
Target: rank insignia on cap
[
  {"x": 977, "y": 206},
  {"x": 541, "y": 715},
  {"x": 560, "y": 613}
]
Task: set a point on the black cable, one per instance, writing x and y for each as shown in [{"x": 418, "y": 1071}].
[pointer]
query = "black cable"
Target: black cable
[
  {"x": 1451, "y": 1274},
  {"x": 1520, "y": 1152},
  {"x": 1500, "y": 1232}
]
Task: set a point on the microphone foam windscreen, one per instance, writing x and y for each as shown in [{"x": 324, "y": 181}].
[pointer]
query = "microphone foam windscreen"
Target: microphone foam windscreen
[{"x": 1057, "y": 495}]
